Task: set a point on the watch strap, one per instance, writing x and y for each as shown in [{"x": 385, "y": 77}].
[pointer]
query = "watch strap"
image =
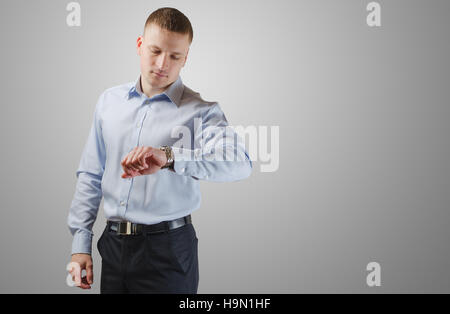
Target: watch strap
[{"x": 169, "y": 156}]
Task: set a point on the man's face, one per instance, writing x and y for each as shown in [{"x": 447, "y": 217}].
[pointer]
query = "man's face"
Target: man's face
[{"x": 163, "y": 54}]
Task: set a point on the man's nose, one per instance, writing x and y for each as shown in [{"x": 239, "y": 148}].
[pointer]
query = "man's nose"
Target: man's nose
[{"x": 162, "y": 62}]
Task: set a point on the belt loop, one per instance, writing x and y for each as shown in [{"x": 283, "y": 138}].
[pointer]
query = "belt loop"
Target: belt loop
[
  {"x": 107, "y": 225},
  {"x": 167, "y": 226}
]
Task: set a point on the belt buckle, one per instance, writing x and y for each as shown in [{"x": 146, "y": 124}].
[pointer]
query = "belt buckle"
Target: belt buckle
[{"x": 127, "y": 228}]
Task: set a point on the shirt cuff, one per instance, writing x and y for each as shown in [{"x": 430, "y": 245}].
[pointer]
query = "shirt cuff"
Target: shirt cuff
[
  {"x": 180, "y": 160},
  {"x": 180, "y": 167},
  {"x": 82, "y": 243}
]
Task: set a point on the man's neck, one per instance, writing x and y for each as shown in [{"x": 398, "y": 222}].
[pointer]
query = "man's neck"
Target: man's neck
[{"x": 149, "y": 92}]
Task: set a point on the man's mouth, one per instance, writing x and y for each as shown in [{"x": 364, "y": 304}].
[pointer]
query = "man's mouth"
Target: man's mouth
[{"x": 159, "y": 74}]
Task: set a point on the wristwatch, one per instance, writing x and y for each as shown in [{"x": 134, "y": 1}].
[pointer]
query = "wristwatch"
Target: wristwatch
[{"x": 169, "y": 155}]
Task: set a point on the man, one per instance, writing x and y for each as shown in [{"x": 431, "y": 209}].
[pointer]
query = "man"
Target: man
[{"x": 148, "y": 175}]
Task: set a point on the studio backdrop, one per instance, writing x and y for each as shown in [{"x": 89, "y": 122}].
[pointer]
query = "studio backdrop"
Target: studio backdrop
[{"x": 345, "y": 108}]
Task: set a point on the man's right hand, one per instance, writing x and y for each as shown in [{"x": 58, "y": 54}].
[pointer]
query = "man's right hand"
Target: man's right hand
[{"x": 85, "y": 261}]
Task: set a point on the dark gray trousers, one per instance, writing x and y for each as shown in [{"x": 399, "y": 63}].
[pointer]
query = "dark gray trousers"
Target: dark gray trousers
[{"x": 165, "y": 262}]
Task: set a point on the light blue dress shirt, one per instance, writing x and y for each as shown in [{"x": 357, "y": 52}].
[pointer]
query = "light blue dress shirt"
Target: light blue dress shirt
[{"x": 124, "y": 118}]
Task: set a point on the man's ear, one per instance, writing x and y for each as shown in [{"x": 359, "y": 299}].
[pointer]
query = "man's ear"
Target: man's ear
[{"x": 139, "y": 44}]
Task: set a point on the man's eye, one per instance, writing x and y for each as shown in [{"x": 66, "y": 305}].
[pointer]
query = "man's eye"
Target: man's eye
[{"x": 157, "y": 52}]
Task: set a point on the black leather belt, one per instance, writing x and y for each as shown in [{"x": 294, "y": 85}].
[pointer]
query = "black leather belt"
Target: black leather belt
[{"x": 129, "y": 228}]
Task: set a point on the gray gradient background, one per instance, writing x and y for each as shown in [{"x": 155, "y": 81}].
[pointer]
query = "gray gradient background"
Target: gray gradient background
[{"x": 364, "y": 151}]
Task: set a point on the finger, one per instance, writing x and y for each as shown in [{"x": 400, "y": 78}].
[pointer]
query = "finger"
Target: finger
[
  {"x": 127, "y": 175},
  {"x": 130, "y": 174},
  {"x": 126, "y": 170},
  {"x": 136, "y": 160},
  {"x": 129, "y": 162},
  {"x": 135, "y": 173},
  {"x": 90, "y": 274},
  {"x": 126, "y": 159},
  {"x": 84, "y": 283},
  {"x": 144, "y": 156}
]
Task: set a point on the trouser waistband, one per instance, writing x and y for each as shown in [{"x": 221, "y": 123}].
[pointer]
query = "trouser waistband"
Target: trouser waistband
[{"x": 129, "y": 228}]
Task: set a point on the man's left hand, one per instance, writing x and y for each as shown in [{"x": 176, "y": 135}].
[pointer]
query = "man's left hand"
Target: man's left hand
[{"x": 143, "y": 160}]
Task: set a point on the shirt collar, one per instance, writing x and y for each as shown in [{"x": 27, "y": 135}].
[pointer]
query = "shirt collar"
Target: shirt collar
[{"x": 173, "y": 93}]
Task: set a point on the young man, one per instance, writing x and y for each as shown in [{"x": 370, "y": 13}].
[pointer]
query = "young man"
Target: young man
[{"x": 146, "y": 151}]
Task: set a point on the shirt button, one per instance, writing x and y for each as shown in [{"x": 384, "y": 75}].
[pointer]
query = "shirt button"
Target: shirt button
[
  {"x": 182, "y": 169},
  {"x": 122, "y": 203},
  {"x": 138, "y": 126}
]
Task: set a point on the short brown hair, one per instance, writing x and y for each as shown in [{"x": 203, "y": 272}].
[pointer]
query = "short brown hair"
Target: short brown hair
[{"x": 172, "y": 20}]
